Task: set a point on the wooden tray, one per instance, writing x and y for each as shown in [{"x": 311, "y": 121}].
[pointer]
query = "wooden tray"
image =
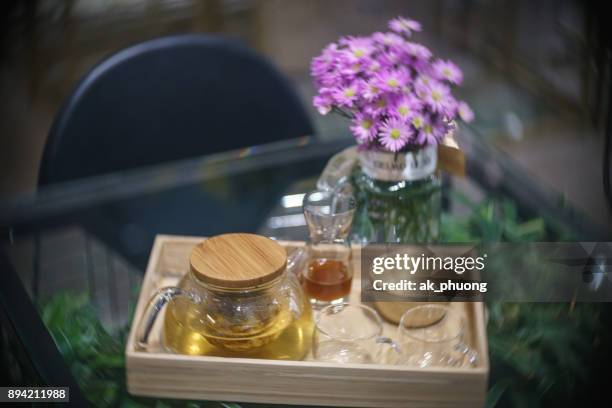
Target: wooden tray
[{"x": 157, "y": 373}]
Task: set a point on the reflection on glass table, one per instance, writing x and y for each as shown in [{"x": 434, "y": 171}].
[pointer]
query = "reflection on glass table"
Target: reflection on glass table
[{"x": 79, "y": 251}]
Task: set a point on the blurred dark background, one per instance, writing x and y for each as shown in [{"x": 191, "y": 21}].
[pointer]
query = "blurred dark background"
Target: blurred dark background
[{"x": 536, "y": 72}]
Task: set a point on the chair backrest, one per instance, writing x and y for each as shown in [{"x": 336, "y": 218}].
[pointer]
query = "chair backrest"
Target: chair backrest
[{"x": 168, "y": 99}]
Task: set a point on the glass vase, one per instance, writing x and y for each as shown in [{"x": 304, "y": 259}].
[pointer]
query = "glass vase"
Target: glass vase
[{"x": 398, "y": 197}]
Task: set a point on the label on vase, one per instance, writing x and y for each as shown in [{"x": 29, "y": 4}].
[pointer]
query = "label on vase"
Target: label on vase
[{"x": 388, "y": 166}]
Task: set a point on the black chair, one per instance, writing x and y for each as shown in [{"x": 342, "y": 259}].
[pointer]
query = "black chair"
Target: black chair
[
  {"x": 169, "y": 99},
  {"x": 163, "y": 100}
]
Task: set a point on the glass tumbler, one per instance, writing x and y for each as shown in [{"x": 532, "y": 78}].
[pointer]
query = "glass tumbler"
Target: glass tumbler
[
  {"x": 433, "y": 336},
  {"x": 346, "y": 333},
  {"x": 328, "y": 275}
]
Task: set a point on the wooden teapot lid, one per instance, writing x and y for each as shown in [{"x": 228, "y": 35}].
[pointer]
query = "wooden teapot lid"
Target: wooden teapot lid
[{"x": 238, "y": 260}]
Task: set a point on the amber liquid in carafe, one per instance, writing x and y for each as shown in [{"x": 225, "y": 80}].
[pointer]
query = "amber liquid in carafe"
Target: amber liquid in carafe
[
  {"x": 283, "y": 338},
  {"x": 327, "y": 279}
]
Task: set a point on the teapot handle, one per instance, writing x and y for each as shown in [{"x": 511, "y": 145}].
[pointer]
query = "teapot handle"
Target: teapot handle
[{"x": 156, "y": 304}]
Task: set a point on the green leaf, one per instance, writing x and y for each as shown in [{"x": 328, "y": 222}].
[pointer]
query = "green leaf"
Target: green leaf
[{"x": 495, "y": 392}]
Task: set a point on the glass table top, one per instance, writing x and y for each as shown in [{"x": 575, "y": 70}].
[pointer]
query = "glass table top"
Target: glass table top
[{"x": 80, "y": 248}]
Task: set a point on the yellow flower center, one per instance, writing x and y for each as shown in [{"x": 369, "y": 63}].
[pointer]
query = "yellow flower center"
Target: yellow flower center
[
  {"x": 381, "y": 103},
  {"x": 366, "y": 124},
  {"x": 446, "y": 72},
  {"x": 427, "y": 129},
  {"x": 395, "y": 134},
  {"x": 403, "y": 110},
  {"x": 393, "y": 82},
  {"x": 359, "y": 53},
  {"x": 436, "y": 95},
  {"x": 349, "y": 92},
  {"x": 417, "y": 122}
]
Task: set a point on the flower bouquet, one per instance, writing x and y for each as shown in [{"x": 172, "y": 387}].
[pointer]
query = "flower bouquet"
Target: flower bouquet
[{"x": 398, "y": 99}]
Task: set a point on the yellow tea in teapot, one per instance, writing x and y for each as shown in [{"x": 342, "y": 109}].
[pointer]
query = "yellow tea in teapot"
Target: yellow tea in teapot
[{"x": 285, "y": 338}]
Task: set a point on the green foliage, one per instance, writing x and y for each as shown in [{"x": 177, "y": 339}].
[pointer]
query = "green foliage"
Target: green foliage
[
  {"x": 95, "y": 357},
  {"x": 491, "y": 221},
  {"x": 538, "y": 351},
  {"x": 395, "y": 211}
]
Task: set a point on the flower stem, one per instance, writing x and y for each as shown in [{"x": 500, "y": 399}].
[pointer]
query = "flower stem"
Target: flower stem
[{"x": 342, "y": 112}]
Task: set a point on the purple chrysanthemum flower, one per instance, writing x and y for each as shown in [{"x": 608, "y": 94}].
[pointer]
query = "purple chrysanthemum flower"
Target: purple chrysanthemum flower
[
  {"x": 421, "y": 86},
  {"x": 359, "y": 47},
  {"x": 447, "y": 71},
  {"x": 329, "y": 79},
  {"x": 351, "y": 71},
  {"x": 323, "y": 105},
  {"x": 324, "y": 62},
  {"x": 418, "y": 121},
  {"x": 404, "y": 25},
  {"x": 323, "y": 101},
  {"x": 465, "y": 113},
  {"x": 406, "y": 107},
  {"x": 392, "y": 81},
  {"x": 377, "y": 107},
  {"x": 450, "y": 107},
  {"x": 372, "y": 66},
  {"x": 388, "y": 39},
  {"x": 345, "y": 96},
  {"x": 319, "y": 66},
  {"x": 418, "y": 51},
  {"x": 394, "y": 134},
  {"x": 364, "y": 128},
  {"x": 431, "y": 133},
  {"x": 347, "y": 65},
  {"x": 437, "y": 96},
  {"x": 371, "y": 91},
  {"x": 392, "y": 57}
]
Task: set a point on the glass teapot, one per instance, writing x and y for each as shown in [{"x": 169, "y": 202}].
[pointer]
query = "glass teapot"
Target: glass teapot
[{"x": 239, "y": 299}]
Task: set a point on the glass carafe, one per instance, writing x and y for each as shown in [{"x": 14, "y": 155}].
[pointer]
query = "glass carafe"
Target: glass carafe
[
  {"x": 238, "y": 300},
  {"x": 327, "y": 277}
]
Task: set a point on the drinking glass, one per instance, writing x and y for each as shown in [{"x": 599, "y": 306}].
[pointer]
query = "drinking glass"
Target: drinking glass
[
  {"x": 327, "y": 277},
  {"x": 346, "y": 333},
  {"x": 433, "y": 336}
]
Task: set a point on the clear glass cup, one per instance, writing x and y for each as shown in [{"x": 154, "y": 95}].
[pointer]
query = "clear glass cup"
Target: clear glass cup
[
  {"x": 433, "y": 336},
  {"x": 347, "y": 333},
  {"x": 327, "y": 276}
]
